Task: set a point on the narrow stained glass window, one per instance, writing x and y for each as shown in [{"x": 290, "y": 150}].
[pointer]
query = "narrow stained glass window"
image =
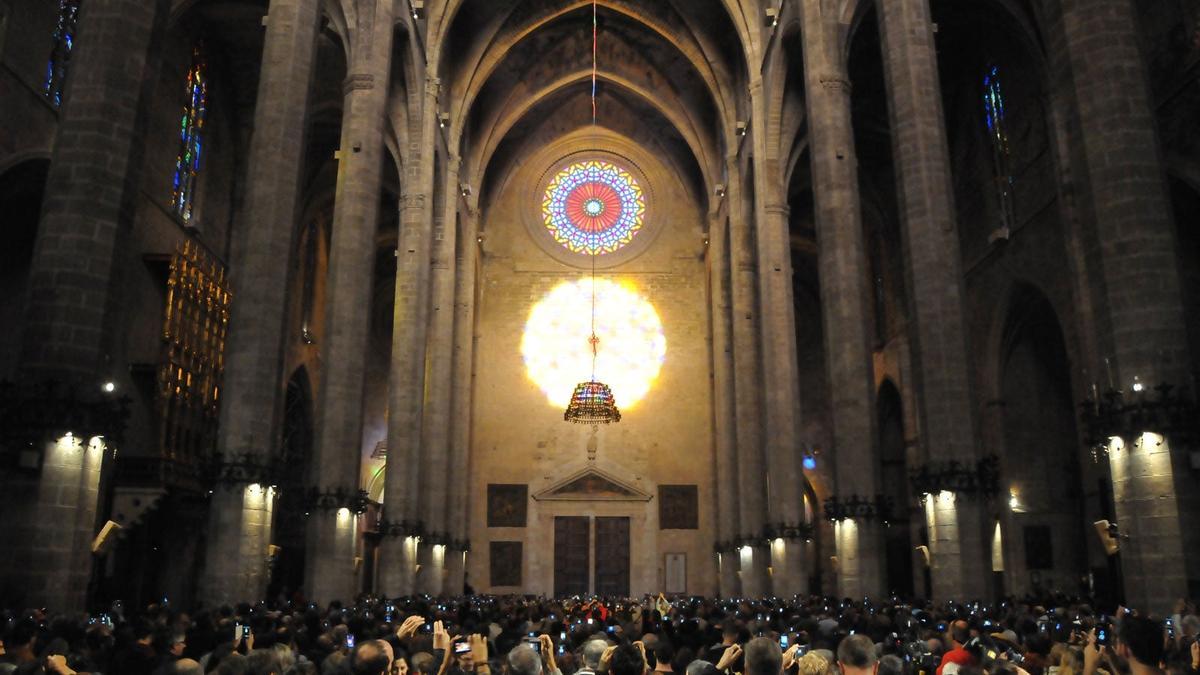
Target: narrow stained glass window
[
  {"x": 60, "y": 54},
  {"x": 997, "y": 132},
  {"x": 191, "y": 136}
]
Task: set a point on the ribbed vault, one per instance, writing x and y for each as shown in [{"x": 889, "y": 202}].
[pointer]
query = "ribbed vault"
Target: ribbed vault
[{"x": 510, "y": 68}]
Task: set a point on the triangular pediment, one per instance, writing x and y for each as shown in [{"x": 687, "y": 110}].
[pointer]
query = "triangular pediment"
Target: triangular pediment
[{"x": 591, "y": 484}]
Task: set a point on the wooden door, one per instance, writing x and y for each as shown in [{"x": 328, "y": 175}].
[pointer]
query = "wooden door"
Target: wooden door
[
  {"x": 612, "y": 557},
  {"x": 572, "y": 559}
]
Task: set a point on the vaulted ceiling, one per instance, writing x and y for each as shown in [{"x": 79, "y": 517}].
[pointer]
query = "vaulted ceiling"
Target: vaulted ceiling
[{"x": 670, "y": 72}]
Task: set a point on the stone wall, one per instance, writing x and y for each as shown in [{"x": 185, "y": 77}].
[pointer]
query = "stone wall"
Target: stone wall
[{"x": 519, "y": 437}]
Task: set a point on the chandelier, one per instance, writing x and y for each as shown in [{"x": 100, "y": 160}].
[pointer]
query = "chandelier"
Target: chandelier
[{"x": 593, "y": 402}]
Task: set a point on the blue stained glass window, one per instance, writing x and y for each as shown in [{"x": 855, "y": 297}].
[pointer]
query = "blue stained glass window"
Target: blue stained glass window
[
  {"x": 60, "y": 54},
  {"x": 994, "y": 114},
  {"x": 191, "y": 136}
]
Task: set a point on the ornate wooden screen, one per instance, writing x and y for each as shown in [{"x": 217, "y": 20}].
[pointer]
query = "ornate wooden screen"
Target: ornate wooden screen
[{"x": 195, "y": 326}]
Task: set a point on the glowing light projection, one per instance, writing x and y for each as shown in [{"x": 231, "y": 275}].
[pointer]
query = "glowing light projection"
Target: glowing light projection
[
  {"x": 557, "y": 352},
  {"x": 593, "y": 207}
]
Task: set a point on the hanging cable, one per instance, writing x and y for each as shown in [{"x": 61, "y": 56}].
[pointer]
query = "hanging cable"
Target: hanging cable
[
  {"x": 595, "y": 43},
  {"x": 595, "y": 340}
]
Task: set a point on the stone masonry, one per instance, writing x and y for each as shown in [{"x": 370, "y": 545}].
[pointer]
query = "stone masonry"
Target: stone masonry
[
  {"x": 1134, "y": 247},
  {"x": 927, "y": 216},
  {"x": 68, "y": 333},
  {"x": 250, "y": 414},
  {"x": 842, "y": 258},
  {"x": 355, "y": 222}
]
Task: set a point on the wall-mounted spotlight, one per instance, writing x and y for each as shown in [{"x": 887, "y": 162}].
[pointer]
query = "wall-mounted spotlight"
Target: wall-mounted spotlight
[
  {"x": 771, "y": 17},
  {"x": 444, "y": 120},
  {"x": 719, "y": 190},
  {"x": 740, "y": 127},
  {"x": 418, "y": 9},
  {"x": 465, "y": 189}
]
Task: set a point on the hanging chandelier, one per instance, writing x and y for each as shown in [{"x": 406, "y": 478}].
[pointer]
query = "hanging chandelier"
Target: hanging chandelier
[{"x": 593, "y": 402}]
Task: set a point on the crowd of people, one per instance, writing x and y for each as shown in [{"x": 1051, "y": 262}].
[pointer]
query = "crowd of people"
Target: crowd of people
[{"x": 485, "y": 635}]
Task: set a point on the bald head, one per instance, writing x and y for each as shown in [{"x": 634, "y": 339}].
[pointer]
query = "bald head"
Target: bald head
[
  {"x": 763, "y": 657},
  {"x": 592, "y": 651},
  {"x": 373, "y": 657},
  {"x": 960, "y": 632},
  {"x": 186, "y": 667},
  {"x": 856, "y": 655},
  {"x": 522, "y": 660}
]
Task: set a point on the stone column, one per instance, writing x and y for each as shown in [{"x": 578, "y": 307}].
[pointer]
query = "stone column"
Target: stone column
[
  {"x": 781, "y": 374},
  {"x": 922, "y": 164},
  {"x": 435, "y": 434},
  {"x": 725, "y": 480},
  {"x": 460, "y": 428},
  {"x": 1135, "y": 285},
  {"x": 337, "y": 452},
  {"x": 398, "y": 550},
  {"x": 747, "y": 387},
  {"x": 49, "y": 520},
  {"x": 93, "y": 180},
  {"x": 253, "y": 385},
  {"x": 845, "y": 294}
]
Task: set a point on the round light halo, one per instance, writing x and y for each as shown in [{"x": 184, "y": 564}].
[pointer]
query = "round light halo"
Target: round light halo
[{"x": 557, "y": 353}]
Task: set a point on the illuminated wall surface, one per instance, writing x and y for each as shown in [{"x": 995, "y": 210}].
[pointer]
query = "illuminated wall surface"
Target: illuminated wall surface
[
  {"x": 533, "y": 320},
  {"x": 557, "y": 352}
]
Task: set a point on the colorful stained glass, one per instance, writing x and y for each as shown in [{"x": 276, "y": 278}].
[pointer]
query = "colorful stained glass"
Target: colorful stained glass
[
  {"x": 191, "y": 136},
  {"x": 993, "y": 108},
  {"x": 594, "y": 207},
  {"x": 997, "y": 128},
  {"x": 60, "y": 54}
]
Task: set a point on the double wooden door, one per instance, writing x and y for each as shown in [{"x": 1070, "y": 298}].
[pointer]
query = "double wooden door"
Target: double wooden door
[{"x": 591, "y": 556}]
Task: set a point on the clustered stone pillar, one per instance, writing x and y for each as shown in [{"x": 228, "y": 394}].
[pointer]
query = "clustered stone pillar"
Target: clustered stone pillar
[
  {"x": 398, "y": 550},
  {"x": 435, "y": 437},
  {"x": 751, "y": 556},
  {"x": 780, "y": 365},
  {"x": 725, "y": 432},
  {"x": 844, "y": 294},
  {"x": 460, "y": 428},
  {"x": 333, "y": 532},
  {"x": 239, "y": 522},
  {"x": 93, "y": 178},
  {"x": 922, "y": 164},
  {"x": 1137, "y": 282}
]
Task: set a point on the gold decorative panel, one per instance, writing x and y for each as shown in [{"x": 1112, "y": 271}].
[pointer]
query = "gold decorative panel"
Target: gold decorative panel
[{"x": 195, "y": 327}]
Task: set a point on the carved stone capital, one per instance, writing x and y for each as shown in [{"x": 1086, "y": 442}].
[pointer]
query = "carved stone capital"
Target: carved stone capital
[
  {"x": 400, "y": 528},
  {"x": 358, "y": 82},
  {"x": 836, "y": 83},
  {"x": 789, "y": 531}
]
